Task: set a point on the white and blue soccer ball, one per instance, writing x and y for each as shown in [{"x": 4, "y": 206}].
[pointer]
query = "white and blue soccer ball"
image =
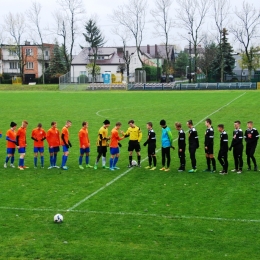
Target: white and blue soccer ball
[
  {"x": 134, "y": 163},
  {"x": 58, "y": 218}
]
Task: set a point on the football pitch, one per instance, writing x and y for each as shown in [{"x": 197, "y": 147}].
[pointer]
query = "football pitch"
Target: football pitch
[{"x": 129, "y": 213}]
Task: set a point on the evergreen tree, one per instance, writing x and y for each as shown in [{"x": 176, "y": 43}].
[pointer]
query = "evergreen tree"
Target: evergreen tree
[
  {"x": 182, "y": 61},
  {"x": 224, "y": 62},
  {"x": 206, "y": 61},
  {"x": 57, "y": 63},
  {"x": 95, "y": 39}
]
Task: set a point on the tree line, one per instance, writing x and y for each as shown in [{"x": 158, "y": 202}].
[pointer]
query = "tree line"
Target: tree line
[{"x": 130, "y": 20}]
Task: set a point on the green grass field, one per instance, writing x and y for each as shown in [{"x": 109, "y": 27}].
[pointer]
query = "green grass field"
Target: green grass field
[{"x": 128, "y": 214}]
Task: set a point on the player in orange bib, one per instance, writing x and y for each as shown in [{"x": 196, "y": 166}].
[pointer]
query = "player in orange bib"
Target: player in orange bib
[
  {"x": 65, "y": 142},
  {"x": 84, "y": 144},
  {"x": 21, "y": 144},
  {"x": 53, "y": 139},
  {"x": 10, "y": 144},
  {"x": 38, "y": 135}
]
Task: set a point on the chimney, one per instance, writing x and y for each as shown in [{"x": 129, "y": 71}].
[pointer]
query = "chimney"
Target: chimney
[
  {"x": 27, "y": 43},
  {"x": 148, "y": 48},
  {"x": 156, "y": 50}
]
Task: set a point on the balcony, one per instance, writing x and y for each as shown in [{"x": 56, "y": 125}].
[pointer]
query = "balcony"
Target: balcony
[
  {"x": 9, "y": 57},
  {"x": 11, "y": 71},
  {"x": 45, "y": 57}
]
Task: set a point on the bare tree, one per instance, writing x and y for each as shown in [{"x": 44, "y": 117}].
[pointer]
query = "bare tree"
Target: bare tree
[
  {"x": 33, "y": 15},
  {"x": 132, "y": 16},
  {"x": 221, "y": 9},
  {"x": 221, "y": 12},
  {"x": 124, "y": 38},
  {"x": 61, "y": 30},
  {"x": 191, "y": 15},
  {"x": 163, "y": 22},
  {"x": 67, "y": 24},
  {"x": 246, "y": 29},
  {"x": 2, "y": 35},
  {"x": 15, "y": 26}
]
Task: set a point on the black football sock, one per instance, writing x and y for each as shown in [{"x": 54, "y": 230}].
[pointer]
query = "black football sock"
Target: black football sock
[
  {"x": 154, "y": 161},
  {"x": 150, "y": 160},
  {"x": 139, "y": 159},
  {"x": 208, "y": 162},
  {"x": 130, "y": 160},
  {"x": 213, "y": 163}
]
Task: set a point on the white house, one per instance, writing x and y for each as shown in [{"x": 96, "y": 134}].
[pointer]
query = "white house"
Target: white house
[{"x": 108, "y": 58}]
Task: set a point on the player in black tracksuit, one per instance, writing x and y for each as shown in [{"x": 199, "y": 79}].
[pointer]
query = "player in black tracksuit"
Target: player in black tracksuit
[
  {"x": 223, "y": 149},
  {"x": 151, "y": 141},
  {"x": 209, "y": 146},
  {"x": 181, "y": 146},
  {"x": 251, "y": 138},
  {"x": 237, "y": 145},
  {"x": 193, "y": 145}
]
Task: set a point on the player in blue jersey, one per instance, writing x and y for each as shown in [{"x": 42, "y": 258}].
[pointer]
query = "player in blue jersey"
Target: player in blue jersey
[{"x": 166, "y": 146}]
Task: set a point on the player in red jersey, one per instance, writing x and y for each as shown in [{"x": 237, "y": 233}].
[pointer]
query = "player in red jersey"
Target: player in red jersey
[
  {"x": 53, "y": 139},
  {"x": 65, "y": 142},
  {"x": 21, "y": 144},
  {"x": 38, "y": 135},
  {"x": 10, "y": 144}
]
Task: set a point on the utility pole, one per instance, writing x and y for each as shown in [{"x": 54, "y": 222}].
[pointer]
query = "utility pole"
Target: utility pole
[{"x": 190, "y": 61}]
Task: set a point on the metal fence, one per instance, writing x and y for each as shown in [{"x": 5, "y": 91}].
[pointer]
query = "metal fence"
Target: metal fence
[
  {"x": 81, "y": 82},
  {"x": 191, "y": 86}
]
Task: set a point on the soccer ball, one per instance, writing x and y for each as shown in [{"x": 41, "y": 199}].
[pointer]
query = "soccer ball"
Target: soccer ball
[
  {"x": 58, "y": 218},
  {"x": 134, "y": 163}
]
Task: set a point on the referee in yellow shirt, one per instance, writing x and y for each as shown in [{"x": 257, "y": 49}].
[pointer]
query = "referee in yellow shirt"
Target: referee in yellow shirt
[{"x": 135, "y": 135}]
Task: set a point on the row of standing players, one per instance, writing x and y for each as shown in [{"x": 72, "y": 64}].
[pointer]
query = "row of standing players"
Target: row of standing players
[
  {"x": 17, "y": 139},
  {"x": 251, "y": 137}
]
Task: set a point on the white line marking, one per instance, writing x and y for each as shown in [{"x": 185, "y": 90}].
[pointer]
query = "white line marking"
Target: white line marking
[
  {"x": 26, "y": 209},
  {"x": 166, "y": 216},
  {"x": 102, "y": 188},
  {"x": 98, "y": 112},
  {"x": 124, "y": 173},
  {"x": 220, "y": 108},
  {"x": 136, "y": 214},
  {"x": 109, "y": 109}
]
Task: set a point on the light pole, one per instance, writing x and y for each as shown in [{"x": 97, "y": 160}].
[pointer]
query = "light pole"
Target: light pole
[
  {"x": 187, "y": 71},
  {"x": 189, "y": 57}
]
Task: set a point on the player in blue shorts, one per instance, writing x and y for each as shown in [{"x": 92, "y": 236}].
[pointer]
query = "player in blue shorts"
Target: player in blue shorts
[
  {"x": 84, "y": 144},
  {"x": 114, "y": 146},
  {"x": 38, "y": 135},
  {"x": 10, "y": 144}
]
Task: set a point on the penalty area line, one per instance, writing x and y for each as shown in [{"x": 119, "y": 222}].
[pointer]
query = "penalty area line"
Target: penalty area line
[{"x": 127, "y": 171}]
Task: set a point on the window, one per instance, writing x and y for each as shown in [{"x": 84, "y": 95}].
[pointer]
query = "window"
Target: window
[
  {"x": 29, "y": 52},
  {"x": 29, "y": 65},
  {"x": 13, "y": 65},
  {"x": 12, "y": 53},
  {"x": 83, "y": 73},
  {"x": 46, "y": 53}
]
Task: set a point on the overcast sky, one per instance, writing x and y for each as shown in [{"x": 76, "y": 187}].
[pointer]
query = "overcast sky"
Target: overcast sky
[{"x": 103, "y": 8}]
